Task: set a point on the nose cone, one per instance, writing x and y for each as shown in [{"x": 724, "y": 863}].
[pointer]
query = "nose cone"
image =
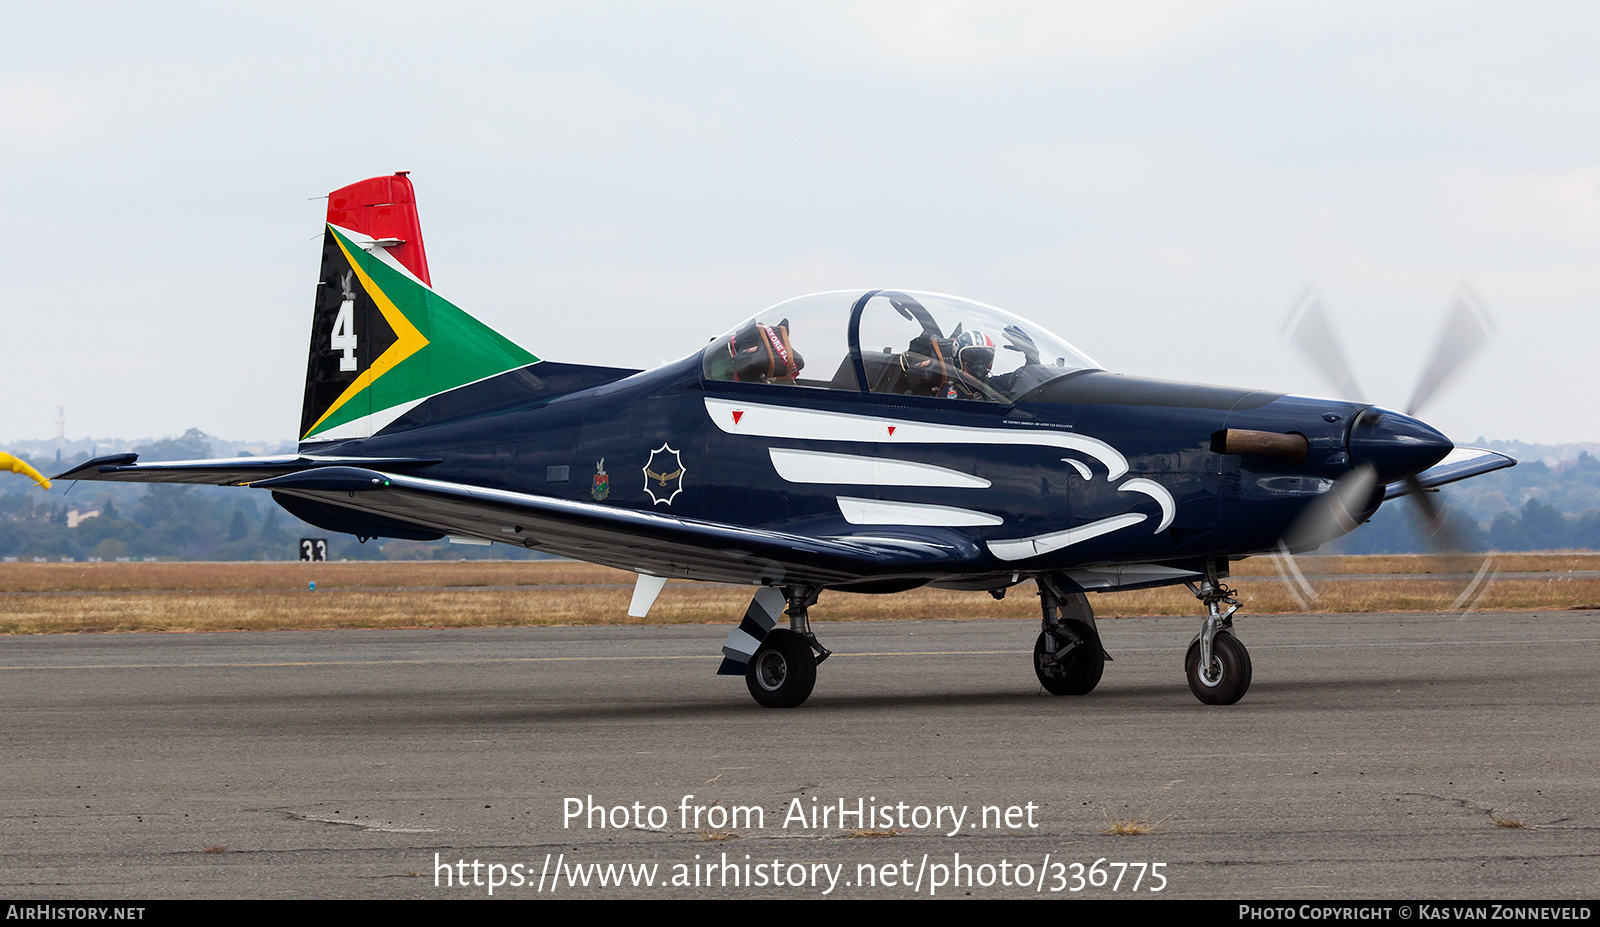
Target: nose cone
[{"x": 1395, "y": 445}]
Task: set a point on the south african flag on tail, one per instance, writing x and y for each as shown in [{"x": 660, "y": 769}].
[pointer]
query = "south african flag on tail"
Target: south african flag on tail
[{"x": 382, "y": 341}]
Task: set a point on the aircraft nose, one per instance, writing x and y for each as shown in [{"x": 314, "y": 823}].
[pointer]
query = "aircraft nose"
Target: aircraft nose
[{"x": 1395, "y": 445}]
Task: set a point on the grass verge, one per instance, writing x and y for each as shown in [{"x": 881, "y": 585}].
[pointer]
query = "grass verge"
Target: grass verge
[{"x": 77, "y": 597}]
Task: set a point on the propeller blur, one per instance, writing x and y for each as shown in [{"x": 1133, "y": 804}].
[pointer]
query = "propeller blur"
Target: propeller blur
[{"x": 1390, "y": 449}]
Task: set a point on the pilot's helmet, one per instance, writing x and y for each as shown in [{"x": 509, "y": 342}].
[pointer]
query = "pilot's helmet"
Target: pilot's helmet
[{"x": 975, "y": 353}]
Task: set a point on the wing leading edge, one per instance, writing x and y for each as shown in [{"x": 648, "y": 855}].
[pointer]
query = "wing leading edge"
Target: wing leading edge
[
  {"x": 225, "y": 471},
  {"x": 1461, "y": 463},
  {"x": 647, "y": 542}
]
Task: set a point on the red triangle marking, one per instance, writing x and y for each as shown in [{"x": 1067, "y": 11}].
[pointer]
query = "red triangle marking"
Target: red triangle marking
[
  {"x": 737, "y": 414},
  {"x": 891, "y": 431}
]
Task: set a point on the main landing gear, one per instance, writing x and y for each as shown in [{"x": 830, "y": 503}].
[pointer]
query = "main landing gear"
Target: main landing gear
[
  {"x": 780, "y": 664},
  {"x": 783, "y": 670},
  {"x": 1217, "y": 665},
  {"x": 1067, "y": 657}
]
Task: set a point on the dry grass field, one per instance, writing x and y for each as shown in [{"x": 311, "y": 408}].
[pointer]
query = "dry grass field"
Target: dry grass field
[{"x": 42, "y": 598}]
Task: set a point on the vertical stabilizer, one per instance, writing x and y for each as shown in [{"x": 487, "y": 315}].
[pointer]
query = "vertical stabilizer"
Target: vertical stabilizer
[{"x": 382, "y": 341}]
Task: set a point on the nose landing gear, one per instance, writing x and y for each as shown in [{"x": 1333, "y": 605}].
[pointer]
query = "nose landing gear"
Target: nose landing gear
[{"x": 1218, "y": 666}]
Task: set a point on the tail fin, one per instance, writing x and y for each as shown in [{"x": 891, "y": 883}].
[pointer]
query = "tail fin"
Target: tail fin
[{"x": 382, "y": 340}]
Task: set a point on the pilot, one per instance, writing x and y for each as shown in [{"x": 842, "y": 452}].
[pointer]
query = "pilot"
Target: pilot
[
  {"x": 974, "y": 357},
  {"x": 761, "y": 353},
  {"x": 949, "y": 368}
]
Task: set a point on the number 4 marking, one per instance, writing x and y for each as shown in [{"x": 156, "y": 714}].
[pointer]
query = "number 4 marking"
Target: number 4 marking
[{"x": 344, "y": 334}]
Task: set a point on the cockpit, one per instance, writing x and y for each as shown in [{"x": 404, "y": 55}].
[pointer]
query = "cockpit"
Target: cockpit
[{"x": 893, "y": 342}]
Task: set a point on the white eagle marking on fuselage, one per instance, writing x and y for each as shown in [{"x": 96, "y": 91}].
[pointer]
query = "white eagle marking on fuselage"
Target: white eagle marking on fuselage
[{"x": 807, "y": 466}]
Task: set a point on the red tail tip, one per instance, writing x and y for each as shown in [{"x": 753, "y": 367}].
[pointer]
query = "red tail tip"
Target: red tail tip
[{"x": 384, "y": 207}]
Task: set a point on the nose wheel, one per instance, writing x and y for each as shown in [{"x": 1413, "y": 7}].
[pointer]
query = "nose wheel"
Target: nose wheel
[
  {"x": 1218, "y": 666},
  {"x": 1227, "y": 678}
]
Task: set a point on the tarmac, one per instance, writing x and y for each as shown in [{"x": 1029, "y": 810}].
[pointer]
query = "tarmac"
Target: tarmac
[{"x": 1390, "y": 756}]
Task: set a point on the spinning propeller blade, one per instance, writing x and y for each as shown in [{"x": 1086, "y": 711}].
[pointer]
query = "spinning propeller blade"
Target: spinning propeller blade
[
  {"x": 1466, "y": 329},
  {"x": 1310, "y": 330},
  {"x": 1336, "y": 512},
  {"x": 1450, "y": 546}
]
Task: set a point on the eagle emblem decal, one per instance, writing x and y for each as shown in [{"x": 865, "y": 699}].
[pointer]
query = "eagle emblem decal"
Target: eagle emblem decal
[{"x": 663, "y": 475}]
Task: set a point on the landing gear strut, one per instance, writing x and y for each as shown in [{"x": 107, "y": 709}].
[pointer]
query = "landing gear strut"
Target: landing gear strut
[
  {"x": 783, "y": 670},
  {"x": 1218, "y": 666},
  {"x": 1067, "y": 657}
]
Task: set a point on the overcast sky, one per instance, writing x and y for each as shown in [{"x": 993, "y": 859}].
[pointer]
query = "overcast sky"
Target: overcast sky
[{"x": 616, "y": 183}]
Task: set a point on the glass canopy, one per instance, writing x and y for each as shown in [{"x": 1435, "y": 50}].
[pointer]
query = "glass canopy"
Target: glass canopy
[{"x": 895, "y": 342}]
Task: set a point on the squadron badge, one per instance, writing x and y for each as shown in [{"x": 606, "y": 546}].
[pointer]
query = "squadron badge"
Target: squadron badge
[
  {"x": 663, "y": 475},
  {"x": 602, "y": 482}
]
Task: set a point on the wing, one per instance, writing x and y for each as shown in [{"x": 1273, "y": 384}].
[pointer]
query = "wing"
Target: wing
[
  {"x": 641, "y": 541},
  {"x": 1459, "y": 464},
  {"x": 228, "y": 471}
]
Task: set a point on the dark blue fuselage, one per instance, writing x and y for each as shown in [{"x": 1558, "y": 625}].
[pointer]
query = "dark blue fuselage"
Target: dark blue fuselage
[{"x": 574, "y": 438}]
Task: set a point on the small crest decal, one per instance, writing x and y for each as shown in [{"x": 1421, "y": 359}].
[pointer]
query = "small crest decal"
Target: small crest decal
[
  {"x": 602, "y": 482},
  {"x": 663, "y": 475}
]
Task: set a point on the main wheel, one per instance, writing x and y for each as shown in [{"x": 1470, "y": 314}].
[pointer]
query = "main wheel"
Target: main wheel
[
  {"x": 1077, "y": 671},
  {"x": 783, "y": 671},
  {"x": 1229, "y": 678}
]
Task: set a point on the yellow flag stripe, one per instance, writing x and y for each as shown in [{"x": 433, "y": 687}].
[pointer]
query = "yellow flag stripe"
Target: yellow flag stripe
[{"x": 408, "y": 340}]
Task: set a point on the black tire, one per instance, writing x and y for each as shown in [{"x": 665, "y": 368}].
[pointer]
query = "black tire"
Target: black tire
[
  {"x": 783, "y": 671},
  {"x": 1078, "y": 671},
  {"x": 1234, "y": 661}
]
